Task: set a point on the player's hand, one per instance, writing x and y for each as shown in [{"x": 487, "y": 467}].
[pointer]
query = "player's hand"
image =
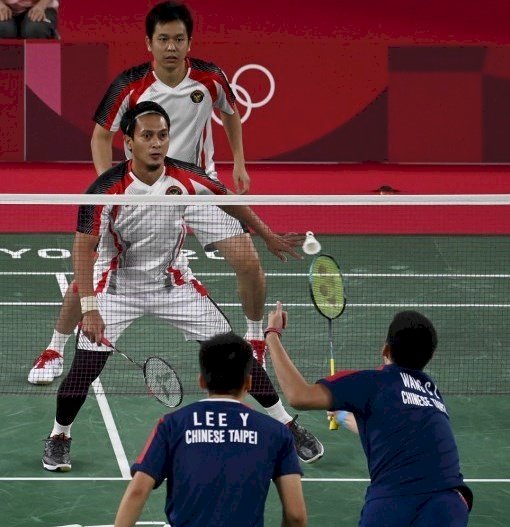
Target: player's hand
[
  {"x": 241, "y": 179},
  {"x": 278, "y": 317},
  {"x": 5, "y": 12},
  {"x": 93, "y": 326},
  {"x": 36, "y": 14},
  {"x": 281, "y": 244}
]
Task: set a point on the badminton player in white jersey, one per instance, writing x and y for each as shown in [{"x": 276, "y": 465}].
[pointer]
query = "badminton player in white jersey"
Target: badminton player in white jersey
[
  {"x": 188, "y": 89},
  {"x": 140, "y": 271}
]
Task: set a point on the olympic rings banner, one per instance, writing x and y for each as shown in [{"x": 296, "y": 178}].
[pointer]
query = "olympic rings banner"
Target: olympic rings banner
[{"x": 332, "y": 81}]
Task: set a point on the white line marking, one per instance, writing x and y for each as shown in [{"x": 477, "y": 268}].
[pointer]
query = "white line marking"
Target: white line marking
[
  {"x": 30, "y": 303},
  {"x": 104, "y": 407},
  {"x": 113, "y": 433}
]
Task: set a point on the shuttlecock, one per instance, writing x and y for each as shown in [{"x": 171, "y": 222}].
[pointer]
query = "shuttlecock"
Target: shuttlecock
[{"x": 311, "y": 245}]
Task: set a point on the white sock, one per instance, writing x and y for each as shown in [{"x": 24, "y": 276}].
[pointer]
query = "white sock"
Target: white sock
[
  {"x": 279, "y": 413},
  {"x": 58, "y": 341},
  {"x": 61, "y": 429},
  {"x": 254, "y": 331}
]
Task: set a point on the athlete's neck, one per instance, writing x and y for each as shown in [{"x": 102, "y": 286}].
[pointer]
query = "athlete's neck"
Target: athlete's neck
[
  {"x": 239, "y": 397},
  {"x": 171, "y": 77},
  {"x": 146, "y": 174}
]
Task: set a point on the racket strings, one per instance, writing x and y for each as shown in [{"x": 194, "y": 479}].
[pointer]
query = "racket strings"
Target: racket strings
[
  {"x": 162, "y": 382},
  {"x": 327, "y": 287}
]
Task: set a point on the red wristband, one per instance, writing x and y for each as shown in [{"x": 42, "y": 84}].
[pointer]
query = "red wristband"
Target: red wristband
[{"x": 273, "y": 330}]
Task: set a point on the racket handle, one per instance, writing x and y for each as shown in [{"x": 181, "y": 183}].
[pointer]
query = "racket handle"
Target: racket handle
[{"x": 333, "y": 425}]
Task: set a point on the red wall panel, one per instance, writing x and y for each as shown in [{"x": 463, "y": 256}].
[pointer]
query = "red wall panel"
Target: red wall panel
[{"x": 354, "y": 81}]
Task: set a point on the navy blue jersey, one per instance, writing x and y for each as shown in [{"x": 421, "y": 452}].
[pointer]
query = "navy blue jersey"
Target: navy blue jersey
[
  {"x": 218, "y": 457},
  {"x": 404, "y": 429}
]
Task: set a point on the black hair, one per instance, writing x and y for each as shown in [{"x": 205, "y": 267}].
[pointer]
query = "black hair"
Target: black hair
[
  {"x": 225, "y": 362},
  {"x": 128, "y": 121},
  {"x": 168, "y": 12},
  {"x": 412, "y": 340}
]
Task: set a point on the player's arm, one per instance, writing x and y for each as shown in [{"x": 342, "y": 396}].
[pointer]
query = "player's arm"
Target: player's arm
[
  {"x": 299, "y": 393},
  {"x": 277, "y": 244},
  {"x": 83, "y": 264},
  {"x": 290, "y": 491},
  {"x": 134, "y": 499},
  {"x": 233, "y": 129},
  {"x": 101, "y": 145}
]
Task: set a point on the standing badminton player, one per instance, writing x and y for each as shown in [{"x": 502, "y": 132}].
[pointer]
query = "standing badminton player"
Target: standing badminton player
[
  {"x": 140, "y": 269},
  {"x": 217, "y": 455},
  {"x": 403, "y": 424},
  {"x": 189, "y": 90}
]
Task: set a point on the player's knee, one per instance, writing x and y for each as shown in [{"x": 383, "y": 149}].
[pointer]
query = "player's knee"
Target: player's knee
[{"x": 249, "y": 267}]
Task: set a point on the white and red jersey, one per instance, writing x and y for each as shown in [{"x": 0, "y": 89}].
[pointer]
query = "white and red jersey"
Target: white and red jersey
[
  {"x": 189, "y": 105},
  {"x": 140, "y": 245}
]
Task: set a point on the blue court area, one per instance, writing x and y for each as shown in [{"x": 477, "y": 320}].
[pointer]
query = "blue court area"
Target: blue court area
[{"x": 460, "y": 282}]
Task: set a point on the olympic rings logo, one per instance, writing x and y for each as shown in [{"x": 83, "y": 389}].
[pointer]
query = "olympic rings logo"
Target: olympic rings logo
[{"x": 242, "y": 95}]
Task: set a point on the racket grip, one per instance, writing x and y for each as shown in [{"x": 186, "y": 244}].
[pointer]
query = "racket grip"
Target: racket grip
[{"x": 333, "y": 425}]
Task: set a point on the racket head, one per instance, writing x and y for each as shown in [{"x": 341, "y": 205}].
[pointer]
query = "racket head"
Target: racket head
[
  {"x": 327, "y": 286},
  {"x": 163, "y": 382}
]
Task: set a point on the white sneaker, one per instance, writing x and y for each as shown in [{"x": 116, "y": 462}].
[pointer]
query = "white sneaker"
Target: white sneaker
[{"x": 47, "y": 366}]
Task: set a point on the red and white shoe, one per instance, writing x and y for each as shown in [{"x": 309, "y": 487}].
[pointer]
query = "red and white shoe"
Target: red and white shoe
[
  {"x": 259, "y": 351},
  {"x": 47, "y": 366}
]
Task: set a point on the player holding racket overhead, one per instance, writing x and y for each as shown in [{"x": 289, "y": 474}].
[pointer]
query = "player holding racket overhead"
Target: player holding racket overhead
[
  {"x": 403, "y": 425},
  {"x": 140, "y": 270},
  {"x": 218, "y": 455}
]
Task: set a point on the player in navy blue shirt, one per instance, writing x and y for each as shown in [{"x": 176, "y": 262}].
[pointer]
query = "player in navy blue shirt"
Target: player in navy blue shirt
[
  {"x": 402, "y": 422},
  {"x": 217, "y": 455}
]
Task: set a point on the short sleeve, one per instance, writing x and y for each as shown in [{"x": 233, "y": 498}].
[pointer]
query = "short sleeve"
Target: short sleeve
[
  {"x": 350, "y": 390},
  {"x": 287, "y": 461},
  {"x": 154, "y": 458},
  {"x": 226, "y": 99}
]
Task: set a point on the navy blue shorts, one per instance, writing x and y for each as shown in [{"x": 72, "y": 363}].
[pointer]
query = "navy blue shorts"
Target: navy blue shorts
[{"x": 447, "y": 508}]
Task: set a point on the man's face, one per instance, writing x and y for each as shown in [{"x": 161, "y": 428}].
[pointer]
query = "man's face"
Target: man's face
[
  {"x": 150, "y": 141},
  {"x": 169, "y": 45}
]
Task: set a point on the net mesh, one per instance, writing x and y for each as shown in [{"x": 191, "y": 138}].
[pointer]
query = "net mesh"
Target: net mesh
[{"x": 445, "y": 257}]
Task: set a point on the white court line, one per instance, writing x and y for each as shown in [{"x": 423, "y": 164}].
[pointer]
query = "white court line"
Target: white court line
[
  {"x": 104, "y": 407},
  {"x": 113, "y": 433},
  {"x": 332, "y": 480}
]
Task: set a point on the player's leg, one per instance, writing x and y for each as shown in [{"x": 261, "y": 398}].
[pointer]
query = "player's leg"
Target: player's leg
[
  {"x": 191, "y": 310},
  {"x": 89, "y": 360},
  {"x": 241, "y": 255},
  {"x": 215, "y": 229},
  {"x": 50, "y": 363}
]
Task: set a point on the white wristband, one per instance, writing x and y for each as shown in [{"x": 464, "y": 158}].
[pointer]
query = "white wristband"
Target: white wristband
[{"x": 89, "y": 303}]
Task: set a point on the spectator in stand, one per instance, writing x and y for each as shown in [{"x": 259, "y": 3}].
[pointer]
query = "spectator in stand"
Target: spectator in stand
[{"x": 28, "y": 18}]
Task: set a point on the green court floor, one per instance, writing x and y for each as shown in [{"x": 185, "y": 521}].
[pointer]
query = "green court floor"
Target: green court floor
[{"x": 461, "y": 283}]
